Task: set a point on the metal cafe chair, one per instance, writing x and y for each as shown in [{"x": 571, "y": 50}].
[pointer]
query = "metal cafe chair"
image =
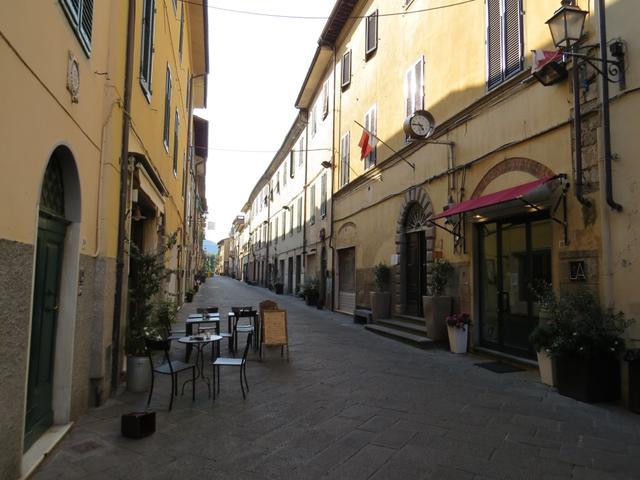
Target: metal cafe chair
[
  {"x": 205, "y": 327},
  {"x": 232, "y": 362},
  {"x": 167, "y": 367},
  {"x": 238, "y": 314}
]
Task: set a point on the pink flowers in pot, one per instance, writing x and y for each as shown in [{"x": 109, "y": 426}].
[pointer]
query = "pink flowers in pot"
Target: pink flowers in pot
[{"x": 459, "y": 320}]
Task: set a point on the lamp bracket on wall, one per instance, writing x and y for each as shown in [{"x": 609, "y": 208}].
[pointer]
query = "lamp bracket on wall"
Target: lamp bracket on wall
[{"x": 612, "y": 70}]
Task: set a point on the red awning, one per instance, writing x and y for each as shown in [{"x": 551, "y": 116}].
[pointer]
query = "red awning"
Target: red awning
[{"x": 503, "y": 196}]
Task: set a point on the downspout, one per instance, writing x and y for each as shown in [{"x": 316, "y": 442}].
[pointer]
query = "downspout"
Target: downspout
[
  {"x": 333, "y": 168},
  {"x": 606, "y": 127},
  {"x": 122, "y": 211}
]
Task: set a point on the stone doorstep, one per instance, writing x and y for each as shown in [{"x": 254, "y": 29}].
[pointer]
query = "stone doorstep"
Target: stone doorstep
[
  {"x": 41, "y": 448},
  {"x": 403, "y": 325},
  {"x": 419, "y": 341}
]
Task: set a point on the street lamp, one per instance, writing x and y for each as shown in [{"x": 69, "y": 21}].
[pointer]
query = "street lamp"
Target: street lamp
[
  {"x": 567, "y": 28},
  {"x": 567, "y": 24}
]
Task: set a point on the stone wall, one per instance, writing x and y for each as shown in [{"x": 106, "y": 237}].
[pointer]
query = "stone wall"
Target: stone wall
[{"x": 16, "y": 265}]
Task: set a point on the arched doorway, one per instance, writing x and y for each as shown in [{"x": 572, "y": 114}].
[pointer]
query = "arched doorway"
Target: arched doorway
[
  {"x": 415, "y": 258},
  {"x": 54, "y": 297}
]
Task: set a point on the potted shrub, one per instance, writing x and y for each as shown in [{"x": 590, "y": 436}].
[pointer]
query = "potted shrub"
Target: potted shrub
[
  {"x": 150, "y": 273},
  {"x": 311, "y": 292},
  {"x": 586, "y": 345},
  {"x": 437, "y": 307},
  {"x": 279, "y": 288},
  {"x": 381, "y": 299},
  {"x": 458, "y": 331}
]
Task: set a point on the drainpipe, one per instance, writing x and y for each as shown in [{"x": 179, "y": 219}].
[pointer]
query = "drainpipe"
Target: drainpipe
[
  {"x": 122, "y": 211},
  {"x": 333, "y": 167},
  {"x": 606, "y": 127}
]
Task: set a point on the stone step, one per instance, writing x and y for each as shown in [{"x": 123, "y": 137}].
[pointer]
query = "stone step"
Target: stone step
[
  {"x": 419, "y": 341},
  {"x": 403, "y": 325},
  {"x": 411, "y": 319}
]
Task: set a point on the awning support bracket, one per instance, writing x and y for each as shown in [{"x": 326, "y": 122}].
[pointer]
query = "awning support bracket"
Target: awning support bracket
[{"x": 563, "y": 222}]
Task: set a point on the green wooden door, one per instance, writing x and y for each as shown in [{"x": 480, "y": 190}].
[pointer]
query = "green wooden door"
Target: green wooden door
[{"x": 43, "y": 329}]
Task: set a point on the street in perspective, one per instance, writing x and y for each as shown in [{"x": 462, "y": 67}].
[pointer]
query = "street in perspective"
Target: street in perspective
[{"x": 359, "y": 239}]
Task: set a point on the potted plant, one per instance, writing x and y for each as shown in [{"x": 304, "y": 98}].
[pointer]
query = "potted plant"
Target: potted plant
[
  {"x": 437, "y": 307},
  {"x": 188, "y": 295},
  {"x": 632, "y": 375},
  {"x": 149, "y": 274},
  {"x": 458, "y": 331},
  {"x": 586, "y": 344},
  {"x": 381, "y": 299},
  {"x": 311, "y": 292},
  {"x": 279, "y": 288},
  {"x": 542, "y": 336}
]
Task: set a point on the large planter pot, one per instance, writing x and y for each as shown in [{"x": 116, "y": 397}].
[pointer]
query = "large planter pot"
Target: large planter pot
[
  {"x": 311, "y": 299},
  {"x": 632, "y": 387},
  {"x": 589, "y": 380},
  {"x": 436, "y": 310},
  {"x": 380, "y": 305},
  {"x": 138, "y": 374},
  {"x": 279, "y": 288},
  {"x": 546, "y": 366},
  {"x": 458, "y": 338}
]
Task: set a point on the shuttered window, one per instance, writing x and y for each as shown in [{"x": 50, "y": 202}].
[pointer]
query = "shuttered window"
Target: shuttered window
[
  {"x": 146, "y": 55},
  {"x": 314, "y": 123},
  {"x": 284, "y": 174},
  {"x": 167, "y": 110},
  {"x": 312, "y": 205},
  {"x": 346, "y": 70},
  {"x": 414, "y": 88},
  {"x": 299, "y": 214},
  {"x": 176, "y": 133},
  {"x": 325, "y": 99},
  {"x": 284, "y": 225},
  {"x": 370, "y": 123},
  {"x": 504, "y": 40},
  {"x": 344, "y": 160},
  {"x": 292, "y": 163},
  {"x": 80, "y": 15},
  {"x": 323, "y": 196},
  {"x": 371, "y": 34},
  {"x": 181, "y": 44}
]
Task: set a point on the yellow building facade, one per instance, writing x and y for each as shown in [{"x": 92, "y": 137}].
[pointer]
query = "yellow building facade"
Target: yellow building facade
[
  {"x": 71, "y": 99},
  {"x": 470, "y": 66}
]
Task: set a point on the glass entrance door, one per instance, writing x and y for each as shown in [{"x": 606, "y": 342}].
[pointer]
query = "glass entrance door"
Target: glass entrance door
[{"x": 514, "y": 255}]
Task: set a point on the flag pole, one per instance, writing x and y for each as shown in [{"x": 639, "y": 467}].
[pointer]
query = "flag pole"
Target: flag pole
[{"x": 386, "y": 145}]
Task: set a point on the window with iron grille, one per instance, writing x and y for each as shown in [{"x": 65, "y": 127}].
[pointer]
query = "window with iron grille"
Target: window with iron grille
[
  {"x": 371, "y": 34},
  {"x": 167, "y": 110},
  {"x": 146, "y": 55},
  {"x": 323, "y": 196},
  {"x": 325, "y": 99},
  {"x": 312, "y": 205},
  {"x": 344, "y": 160},
  {"x": 371, "y": 124},
  {"x": 504, "y": 40},
  {"x": 80, "y": 15},
  {"x": 346, "y": 70},
  {"x": 181, "y": 44},
  {"x": 299, "y": 214},
  {"x": 176, "y": 129}
]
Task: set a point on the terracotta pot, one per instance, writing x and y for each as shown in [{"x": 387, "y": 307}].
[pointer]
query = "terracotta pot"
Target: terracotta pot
[
  {"x": 380, "y": 305},
  {"x": 436, "y": 310}
]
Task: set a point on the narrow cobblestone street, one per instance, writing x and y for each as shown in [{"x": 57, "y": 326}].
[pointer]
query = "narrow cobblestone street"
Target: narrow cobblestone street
[{"x": 350, "y": 404}]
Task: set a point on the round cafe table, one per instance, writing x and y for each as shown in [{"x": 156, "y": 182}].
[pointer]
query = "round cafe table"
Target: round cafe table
[{"x": 199, "y": 341}]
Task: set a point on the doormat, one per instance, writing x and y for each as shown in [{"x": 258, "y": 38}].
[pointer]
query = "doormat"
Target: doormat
[{"x": 499, "y": 367}]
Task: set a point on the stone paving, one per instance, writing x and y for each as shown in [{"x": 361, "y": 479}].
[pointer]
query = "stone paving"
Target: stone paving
[{"x": 353, "y": 405}]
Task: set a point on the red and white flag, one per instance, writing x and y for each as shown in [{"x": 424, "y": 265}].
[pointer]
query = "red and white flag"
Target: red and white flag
[{"x": 365, "y": 144}]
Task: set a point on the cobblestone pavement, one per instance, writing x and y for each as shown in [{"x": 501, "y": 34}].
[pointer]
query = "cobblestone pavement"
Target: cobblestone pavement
[{"x": 350, "y": 404}]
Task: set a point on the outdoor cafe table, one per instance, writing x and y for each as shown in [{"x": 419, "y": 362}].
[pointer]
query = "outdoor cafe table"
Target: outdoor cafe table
[
  {"x": 199, "y": 341},
  {"x": 197, "y": 319}
]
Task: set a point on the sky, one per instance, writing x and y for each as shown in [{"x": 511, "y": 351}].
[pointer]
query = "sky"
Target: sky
[{"x": 257, "y": 66}]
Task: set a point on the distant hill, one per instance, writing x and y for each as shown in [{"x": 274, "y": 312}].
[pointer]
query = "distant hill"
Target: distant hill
[{"x": 209, "y": 246}]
